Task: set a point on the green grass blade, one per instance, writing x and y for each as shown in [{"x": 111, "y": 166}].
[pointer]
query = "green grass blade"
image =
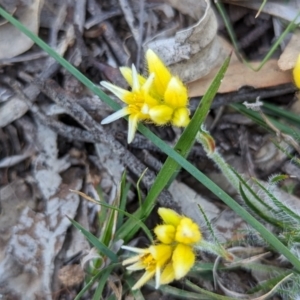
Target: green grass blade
[
  {"x": 282, "y": 113},
  {"x": 137, "y": 294},
  {"x": 205, "y": 292},
  {"x": 178, "y": 293},
  {"x": 124, "y": 189},
  {"x": 138, "y": 223},
  {"x": 89, "y": 284},
  {"x": 95, "y": 242},
  {"x": 101, "y": 283},
  {"x": 295, "y": 133}
]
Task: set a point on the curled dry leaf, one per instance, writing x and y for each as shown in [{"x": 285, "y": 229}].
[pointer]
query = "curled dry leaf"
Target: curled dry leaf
[
  {"x": 239, "y": 75},
  {"x": 13, "y": 42},
  {"x": 194, "y": 51}
]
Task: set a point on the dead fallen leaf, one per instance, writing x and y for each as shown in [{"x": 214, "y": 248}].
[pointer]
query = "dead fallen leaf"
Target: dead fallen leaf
[
  {"x": 13, "y": 42},
  {"x": 288, "y": 58},
  {"x": 239, "y": 75},
  {"x": 196, "y": 50}
]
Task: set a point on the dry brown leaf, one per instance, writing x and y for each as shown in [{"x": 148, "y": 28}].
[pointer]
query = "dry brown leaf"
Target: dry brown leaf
[
  {"x": 13, "y": 42},
  {"x": 239, "y": 75},
  {"x": 196, "y": 50},
  {"x": 288, "y": 58}
]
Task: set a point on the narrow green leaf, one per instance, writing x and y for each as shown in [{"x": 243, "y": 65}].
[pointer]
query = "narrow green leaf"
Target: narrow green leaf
[
  {"x": 88, "y": 285},
  {"x": 179, "y": 293},
  {"x": 101, "y": 283},
  {"x": 282, "y": 113},
  {"x": 137, "y": 294},
  {"x": 294, "y": 132},
  {"x": 95, "y": 242},
  {"x": 205, "y": 292}
]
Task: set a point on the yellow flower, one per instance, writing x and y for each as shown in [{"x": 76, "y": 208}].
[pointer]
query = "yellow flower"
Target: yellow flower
[
  {"x": 296, "y": 72},
  {"x": 169, "y": 88},
  {"x": 177, "y": 228},
  {"x": 187, "y": 232},
  {"x": 165, "y": 233},
  {"x": 169, "y": 216},
  {"x": 138, "y": 101},
  {"x": 152, "y": 260},
  {"x": 161, "y": 98},
  {"x": 183, "y": 259},
  {"x": 163, "y": 261}
]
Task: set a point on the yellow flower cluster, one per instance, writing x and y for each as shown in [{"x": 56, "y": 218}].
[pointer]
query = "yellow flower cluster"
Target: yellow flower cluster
[
  {"x": 173, "y": 256},
  {"x": 161, "y": 98}
]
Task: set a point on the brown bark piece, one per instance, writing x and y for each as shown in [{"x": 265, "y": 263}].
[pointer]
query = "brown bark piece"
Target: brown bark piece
[{"x": 239, "y": 75}]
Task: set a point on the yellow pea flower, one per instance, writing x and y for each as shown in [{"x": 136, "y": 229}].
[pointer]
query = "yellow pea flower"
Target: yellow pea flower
[
  {"x": 152, "y": 260},
  {"x": 296, "y": 72}
]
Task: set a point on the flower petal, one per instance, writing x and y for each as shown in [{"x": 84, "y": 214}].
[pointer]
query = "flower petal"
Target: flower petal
[
  {"x": 296, "y": 72},
  {"x": 136, "y": 250},
  {"x": 127, "y": 74},
  {"x": 187, "y": 232},
  {"x": 161, "y": 253},
  {"x": 133, "y": 121},
  {"x": 168, "y": 274},
  {"x": 183, "y": 259},
  {"x": 148, "y": 83},
  {"x": 136, "y": 266},
  {"x": 176, "y": 93},
  {"x": 116, "y": 115},
  {"x": 161, "y": 114},
  {"x": 122, "y": 94},
  {"x": 181, "y": 117},
  {"x": 162, "y": 74},
  {"x": 146, "y": 277},
  {"x": 135, "y": 79},
  {"x": 165, "y": 233},
  {"x": 169, "y": 216}
]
